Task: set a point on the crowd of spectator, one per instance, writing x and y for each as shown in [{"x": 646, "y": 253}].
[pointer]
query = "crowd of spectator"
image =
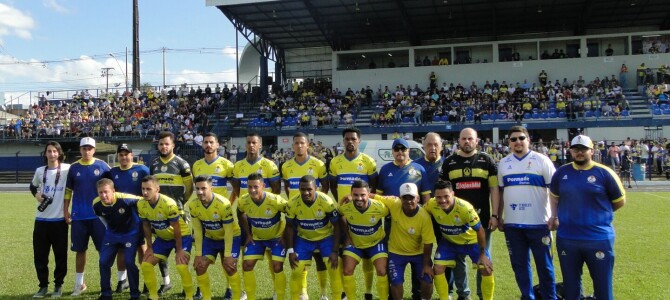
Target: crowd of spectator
[{"x": 141, "y": 113}]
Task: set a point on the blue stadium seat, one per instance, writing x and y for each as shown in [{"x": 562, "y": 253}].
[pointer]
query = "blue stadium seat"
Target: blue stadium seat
[
  {"x": 666, "y": 111},
  {"x": 588, "y": 114},
  {"x": 444, "y": 119},
  {"x": 494, "y": 117},
  {"x": 535, "y": 115},
  {"x": 657, "y": 111},
  {"x": 502, "y": 116},
  {"x": 625, "y": 113},
  {"x": 552, "y": 115},
  {"x": 485, "y": 117},
  {"x": 436, "y": 118},
  {"x": 664, "y": 106},
  {"x": 543, "y": 115},
  {"x": 597, "y": 113},
  {"x": 406, "y": 120},
  {"x": 527, "y": 115},
  {"x": 470, "y": 118},
  {"x": 561, "y": 114}
]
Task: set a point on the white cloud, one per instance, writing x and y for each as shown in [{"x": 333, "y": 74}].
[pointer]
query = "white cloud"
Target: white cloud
[
  {"x": 53, "y": 5},
  {"x": 15, "y": 22},
  {"x": 196, "y": 77},
  {"x": 230, "y": 52}
]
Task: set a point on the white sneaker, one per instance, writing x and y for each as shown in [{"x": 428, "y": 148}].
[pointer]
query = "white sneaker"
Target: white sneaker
[
  {"x": 303, "y": 297},
  {"x": 274, "y": 296},
  {"x": 78, "y": 289},
  {"x": 243, "y": 296},
  {"x": 323, "y": 297}
]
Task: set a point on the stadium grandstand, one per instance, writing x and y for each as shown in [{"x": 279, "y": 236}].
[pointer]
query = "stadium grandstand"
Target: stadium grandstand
[{"x": 391, "y": 67}]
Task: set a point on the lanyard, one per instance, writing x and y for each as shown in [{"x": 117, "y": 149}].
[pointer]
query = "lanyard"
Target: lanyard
[{"x": 44, "y": 177}]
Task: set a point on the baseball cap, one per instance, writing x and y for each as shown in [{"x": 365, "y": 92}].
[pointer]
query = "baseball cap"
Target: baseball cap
[
  {"x": 409, "y": 189},
  {"x": 123, "y": 147},
  {"x": 87, "y": 141},
  {"x": 582, "y": 140},
  {"x": 398, "y": 142}
]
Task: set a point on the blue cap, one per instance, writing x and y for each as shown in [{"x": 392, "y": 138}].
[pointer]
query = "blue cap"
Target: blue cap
[{"x": 402, "y": 142}]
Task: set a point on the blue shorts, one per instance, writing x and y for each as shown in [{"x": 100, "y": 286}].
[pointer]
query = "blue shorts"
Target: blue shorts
[
  {"x": 127, "y": 240},
  {"x": 372, "y": 253},
  {"x": 257, "y": 250},
  {"x": 304, "y": 248},
  {"x": 398, "y": 263},
  {"x": 211, "y": 248},
  {"x": 82, "y": 230},
  {"x": 163, "y": 248},
  {"x": 447, "y": 253}
]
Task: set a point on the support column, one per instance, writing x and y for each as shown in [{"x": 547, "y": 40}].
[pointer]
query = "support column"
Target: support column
[{"x": 263, "y": 88}]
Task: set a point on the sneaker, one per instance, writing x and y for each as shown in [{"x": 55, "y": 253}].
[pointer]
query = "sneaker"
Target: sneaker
[
  {"x": 164, "y": 288},
  {"x": 122, "y": 285},
  {"x": 78, "y": 289},
  {"x": 243, "y": 296},
  {"x": 57, "y": 292},
  {"x": 464, "y": 298},
  {"x": 303, "y": 297},
  {"x": 105, "y": 297},
  {"x": 197, "y": 295},
  {"x": 41, "y": 293},
  {"x": 145, "y": 290},
  {"x": 228, "y": 295},
  {"x": 323, "y": 297},
  {"x": 368, "y": 296}
]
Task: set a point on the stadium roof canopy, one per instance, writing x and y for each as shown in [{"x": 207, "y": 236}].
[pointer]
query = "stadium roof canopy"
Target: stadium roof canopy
[{"x": 353, "y": 24}]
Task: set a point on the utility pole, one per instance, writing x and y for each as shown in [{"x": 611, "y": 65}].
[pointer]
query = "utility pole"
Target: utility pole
[
  {"x": 163, "y": 67},
  {"x": 136, "y": 45},
  {"x": 105, "y": 73}
]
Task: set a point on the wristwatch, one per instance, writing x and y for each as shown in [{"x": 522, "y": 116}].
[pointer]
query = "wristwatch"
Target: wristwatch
[{"x": 495, "y": 216}]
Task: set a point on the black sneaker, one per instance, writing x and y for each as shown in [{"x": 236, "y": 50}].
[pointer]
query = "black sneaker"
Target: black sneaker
[
  {"x": 58, "y": 292},
  {"x": 464, "y": 298},
  {"x": 164, "y": 288},
  {"x": 228, "y": 295},
  {"x": 105, "y": 297},
  {"x": 368, "y": 296},
  {"x": 41, "y": 293},
  {"x": 145, "y": 290},
  {"x": 198, "y": 294},
  {"x": 122, "y": 285}
]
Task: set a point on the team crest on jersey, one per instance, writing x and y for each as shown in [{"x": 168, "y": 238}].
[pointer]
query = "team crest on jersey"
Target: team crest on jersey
[
  {"x": 529, "y": 164},
  {"x": 310, "y": 171},
  {"x": 457, "y": 220},
  {"x": 116, "y": 177},
  {"x": 360, "y": 167},
  {"x": 600, "y": 255},
  {"x": 412, "y": 172},
  {"x": 217, "y": 170},
  {"x": 259, "y": 171},
  {"x": 215, "y": 216},
  {"x": 319, "y": 213},
  {"x": 373, "y": 220},
  {"x": 129, "y": 244},
  {"x": 134, "y": 175},
  {"x": 163, "y": 168},
  {"x": 159, "y": 216},
  {"x": 437, "y": 255},
  {"x": 546, "y": 240},
  {"x": 96, "y": 172},
  {"x": 591, "y": 179},
  {"x": 411, "y": 230},
  {"x": 121, "y": 210},
  {"x": 268, "y": 212},
  {"x": 78, "y": 174},
  {"x": 467, "y": 172}
]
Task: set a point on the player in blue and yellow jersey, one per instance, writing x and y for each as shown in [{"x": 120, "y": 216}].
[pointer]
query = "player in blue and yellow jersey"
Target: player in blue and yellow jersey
[
  {"x": 260, "y": 215},
  {"x": 127, "y": 178},
  {"x": 217, "y": 167},
  {"x": 365, "y": 238},
  {"x": 81, "y": 190},
  {"x": 314, "y": 218},
  {"x": 118, "y": 211},
  {"x": 584, "y": 196},
  {"x": 402, "y": 170},
  {"x": 432, "y": 162},
  {"x": 291, "y": 171},
  {"x": 254, "y": 163},
  {"x": 461, "y": 234},
  {"x": 175, "y": 180},
  {"x": 162, "y": 218},
  {"x": 343, "y": 170},
  {"x": 410, "y": 240},
  {"x": 214, "y": 232}
]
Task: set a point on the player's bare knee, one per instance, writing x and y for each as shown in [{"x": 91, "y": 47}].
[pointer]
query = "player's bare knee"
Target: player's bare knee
[
  {"x": 248, "y": 265},
  {"x": 277, "y": 266},
  {"x": 381, "y": 272}
]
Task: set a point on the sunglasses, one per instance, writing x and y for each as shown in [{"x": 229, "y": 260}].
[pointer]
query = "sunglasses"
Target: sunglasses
[
  {"x": 514, "y": 139},
  {"x": 399, "y": 149}
]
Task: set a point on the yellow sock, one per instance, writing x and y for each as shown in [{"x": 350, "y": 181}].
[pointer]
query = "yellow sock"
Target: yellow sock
[
  {"x": 186, "y": 280},
  {"x": 280, "y": 285},
  {"x": 149, "y": 275},
  {"x": 250, "y": 284},
  {"x": 235, "y": 283},
  {"x": 297, "y": 277},
  {"x": 383, "y": 287},
  {"x": 303, "y": 284},
  {"x": 368, "y": 275},
  {"x": 205, "y": 286},
  {"x": 349, "y": 286},
  {"x": 268, "y": 256},
  {"x": 488, "y": 286},
  {"x": 323, "y": 281},
  {"x": 441, "y": 286},
  {"x": 335, "y": 282}
]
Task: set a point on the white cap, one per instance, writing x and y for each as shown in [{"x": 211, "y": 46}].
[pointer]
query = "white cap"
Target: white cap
[
  {"x": 409, "y": 189},
  {"x": 87, "y": 141},
  {"x": 583, "y": 141}
]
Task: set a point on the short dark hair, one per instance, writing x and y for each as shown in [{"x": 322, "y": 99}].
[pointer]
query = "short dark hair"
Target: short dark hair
[
  {"x": 442, "y": 184},
  {"x": 518, "y": 129},
  {"x": 360, "y": 184},
  {"x": 166, "y": 134},
  {"x": 308, "y": 179},
  {"x": 203, "y": 178},
  {"x": 61, "y": 154},
  {"x": 212, "y": 134},
  {"x": 299, "y": 135},
  {"x": 150, "y": 178},
  {"x": 352, "y": 129},
  {"x": 103, "y": 182},
  {"x": 255, "y": 176},
  {"x": 254, "y": 134}
]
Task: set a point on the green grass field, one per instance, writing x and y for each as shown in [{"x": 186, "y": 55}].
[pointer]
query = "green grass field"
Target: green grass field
[{"x": 641, "y": 270}]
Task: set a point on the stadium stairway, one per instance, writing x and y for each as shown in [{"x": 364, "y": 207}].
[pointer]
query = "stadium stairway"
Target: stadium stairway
[{"x": 638, "y": 104}]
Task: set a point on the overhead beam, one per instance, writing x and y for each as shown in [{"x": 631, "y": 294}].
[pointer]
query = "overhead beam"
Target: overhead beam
[
  {"x": 412, "y": 35},
  {"x": 321, "y": 24}
]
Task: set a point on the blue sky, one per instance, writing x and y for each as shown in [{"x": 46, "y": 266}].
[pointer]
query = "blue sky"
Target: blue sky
[{"x": 75, "y": 37}]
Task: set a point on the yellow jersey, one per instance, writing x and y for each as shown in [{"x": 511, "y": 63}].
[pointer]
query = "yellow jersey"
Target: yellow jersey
[
  {"x": 265, "y": 218},
  {"x": 262, "y": 166},
  {"x": 457, "y": 226},
  {"x": 214, "y": 221},
  {"x": 160, "y": 216},
  {"x": 365, "y": 227},
  {"x": 291, "y": 171},
  {"x": 408, "y": 233},
  {"x": 221, "y": 170},
  {"x": 346, "y": 171},
  {"x": 313, "y": 221}
]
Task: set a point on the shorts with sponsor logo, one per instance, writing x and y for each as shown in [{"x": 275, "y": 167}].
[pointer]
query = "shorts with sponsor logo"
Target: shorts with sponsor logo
[
  {"x": 372, "y": 253},
  {"x": 398, "y": 264},
  {"x": 211, "y": 248},
  {"x": 305, "y": 249},
  {"x": 163, "y": 248},
  {"x": 257, "y": 250},
  {"x": 447, "y": 253}
]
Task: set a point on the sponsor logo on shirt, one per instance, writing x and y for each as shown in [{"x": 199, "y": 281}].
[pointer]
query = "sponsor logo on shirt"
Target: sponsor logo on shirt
[{"x": 468, "y": 185}]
